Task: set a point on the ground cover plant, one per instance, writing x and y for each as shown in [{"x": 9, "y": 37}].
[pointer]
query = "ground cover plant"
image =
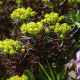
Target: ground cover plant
[{"x": 38, "y": 38}]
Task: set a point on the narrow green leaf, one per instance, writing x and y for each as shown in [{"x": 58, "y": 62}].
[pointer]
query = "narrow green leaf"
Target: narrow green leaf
[
  {"x": 53, "y": 76},
  {"x": 45, "y": 72},
  {"x": 43, "y": 78}
]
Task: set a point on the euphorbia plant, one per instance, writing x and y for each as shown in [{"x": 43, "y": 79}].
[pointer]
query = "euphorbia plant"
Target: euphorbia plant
[{"x": 37, "y": 34}]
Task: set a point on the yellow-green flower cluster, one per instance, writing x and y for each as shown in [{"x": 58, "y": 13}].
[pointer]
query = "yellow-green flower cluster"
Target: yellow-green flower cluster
[
  {"x": 59, "y": 28},
  {"x": 16, "y": 77},
  {"x": 1, "y": 2},
  {"x": 44, "y": 1},
  {"x": 52, "y": 18},
  {"x": 78, "y": 0},
  {"x": 62, "y": 29},
  {"x": 47, "y": 30},
  {"x": 18, "y": 1},
  {"x": 50, "y": 6},
  {"x": 74, "y": 1},
  {"x": 32, "y": 28},
  {"x": 9, "y": 46},
  {"x": 22, "y": 13}
]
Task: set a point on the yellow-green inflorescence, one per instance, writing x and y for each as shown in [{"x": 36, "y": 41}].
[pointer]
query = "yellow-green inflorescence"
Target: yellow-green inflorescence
[
  {"x": 32, "y": 28},
  {"x": 1, "y": 2},
  {"x": 22, "y": 13},
  {"x": 16, "y": 77},
  {"x": 9, "y": 46},
  {"x": 52, "y": 18},
  {"x": 50, "y": 6},
  {"x": 74, "y": 1},
  {"x": 44, "y": 1},
  {"x": 62, "y": 29},
  {"x": 19, "y": 1}
]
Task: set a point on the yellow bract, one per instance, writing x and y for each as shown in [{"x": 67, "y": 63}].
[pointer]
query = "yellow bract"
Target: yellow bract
[
  {"x": 52, "y": 18},
  {"x": 32, "y": 28},
  {"x": 22, "y": 13},
  {"x": 9, "y": 46},
  {"x": 16, "y": 77}
]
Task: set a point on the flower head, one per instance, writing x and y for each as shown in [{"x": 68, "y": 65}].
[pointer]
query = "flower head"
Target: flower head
[
  {"x": 78, "y": 70},
  {"x": 78, "y": 64},
  {"x": 78, "y": 55}
]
